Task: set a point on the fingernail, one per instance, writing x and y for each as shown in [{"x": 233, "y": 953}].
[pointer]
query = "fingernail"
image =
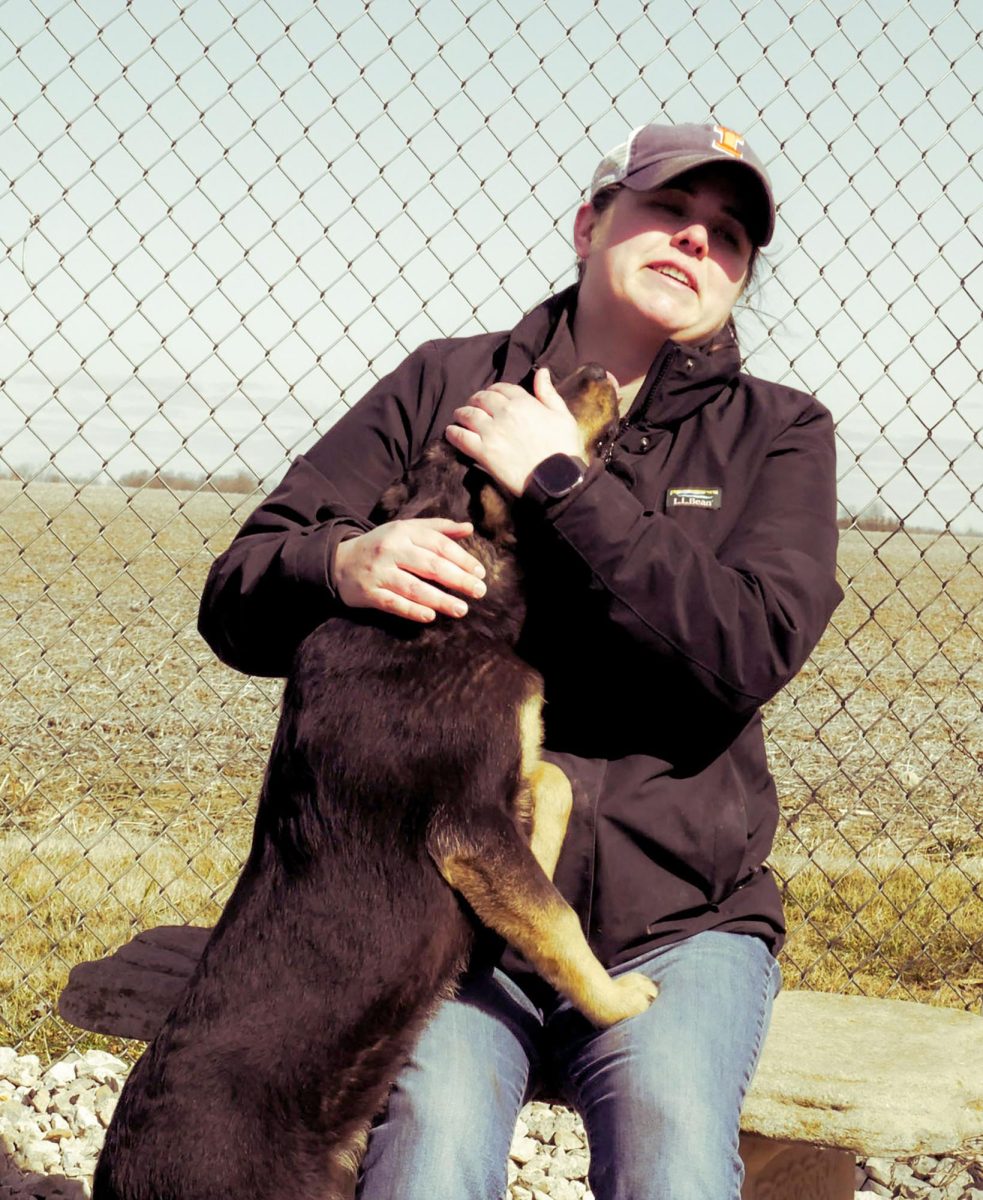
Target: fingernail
[
  {"x": 478, "y": 590},
  {"x": 460, "y": 610}
]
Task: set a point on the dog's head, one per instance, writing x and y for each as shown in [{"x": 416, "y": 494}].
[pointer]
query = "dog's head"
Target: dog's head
[
  {"x": 593, "y": 400},
  {"x": 444, "y": 483}
]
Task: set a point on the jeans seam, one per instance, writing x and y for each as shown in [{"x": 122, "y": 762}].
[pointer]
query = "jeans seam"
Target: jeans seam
[{"x": 763, "y": 1012}]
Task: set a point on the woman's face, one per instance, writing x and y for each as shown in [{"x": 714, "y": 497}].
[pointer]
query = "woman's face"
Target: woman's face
[{"x": 670, "y": 261}]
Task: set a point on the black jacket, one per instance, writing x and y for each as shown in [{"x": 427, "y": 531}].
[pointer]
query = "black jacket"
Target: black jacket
[{"x": 671, "y": 595}]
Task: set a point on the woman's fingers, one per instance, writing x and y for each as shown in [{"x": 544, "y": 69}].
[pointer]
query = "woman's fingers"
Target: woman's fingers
[
  {"x": 419, "y": 600},
  {"x": 404, "y": 567}
]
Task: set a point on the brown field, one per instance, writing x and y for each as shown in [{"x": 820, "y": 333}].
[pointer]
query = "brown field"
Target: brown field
[{"x": 131, "y": 759}]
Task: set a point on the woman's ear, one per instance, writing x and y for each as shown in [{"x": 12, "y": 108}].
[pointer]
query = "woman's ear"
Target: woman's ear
[{"x": 583, "y": 229}]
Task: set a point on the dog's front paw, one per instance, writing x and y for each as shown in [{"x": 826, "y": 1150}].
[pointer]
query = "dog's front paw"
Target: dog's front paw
[{"x": 629, "y": 996}]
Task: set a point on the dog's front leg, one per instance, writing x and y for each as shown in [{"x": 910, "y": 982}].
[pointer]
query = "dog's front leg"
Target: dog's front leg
[
  {"x": 494, "y": 869},
  {"x": 552, "y": 802},
  {"x": 545, "y": 800}
]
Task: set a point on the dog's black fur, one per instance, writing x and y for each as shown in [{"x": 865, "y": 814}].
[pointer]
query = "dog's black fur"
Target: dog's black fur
[{"x": 399, "y": 747}]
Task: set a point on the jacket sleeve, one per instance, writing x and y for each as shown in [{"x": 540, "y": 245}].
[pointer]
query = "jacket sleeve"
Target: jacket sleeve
[
  {"x": 742, "y": 621},
  {"x": 272, "y": 586}
]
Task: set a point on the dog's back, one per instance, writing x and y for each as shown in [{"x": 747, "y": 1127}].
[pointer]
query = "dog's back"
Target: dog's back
[{"x": 340, "y": 935}]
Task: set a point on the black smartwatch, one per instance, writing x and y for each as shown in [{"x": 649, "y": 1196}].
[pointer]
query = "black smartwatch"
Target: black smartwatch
[{"x": 557, "y": 476}]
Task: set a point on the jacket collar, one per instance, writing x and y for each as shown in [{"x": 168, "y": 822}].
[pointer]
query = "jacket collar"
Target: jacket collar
[
  {"x": 680, "y": 380},
  {"x": 543, "y": 338}
]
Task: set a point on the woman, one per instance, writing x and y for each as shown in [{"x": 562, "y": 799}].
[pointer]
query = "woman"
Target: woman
[{"x": 675, "y": 587}]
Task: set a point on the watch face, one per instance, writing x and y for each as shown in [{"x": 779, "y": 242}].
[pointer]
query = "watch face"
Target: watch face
[{"x": 558, "y": 474}]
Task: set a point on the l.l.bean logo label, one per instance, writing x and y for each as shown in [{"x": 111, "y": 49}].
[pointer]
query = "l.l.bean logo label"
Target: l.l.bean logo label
[{"x": 694, "y": 497}]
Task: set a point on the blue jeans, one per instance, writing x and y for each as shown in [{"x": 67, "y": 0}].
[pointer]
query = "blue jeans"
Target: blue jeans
[{"x": 660, "y": 1094}]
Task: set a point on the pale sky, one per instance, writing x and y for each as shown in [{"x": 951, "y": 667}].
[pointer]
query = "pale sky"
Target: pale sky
[{"x": 220, "y": 227}]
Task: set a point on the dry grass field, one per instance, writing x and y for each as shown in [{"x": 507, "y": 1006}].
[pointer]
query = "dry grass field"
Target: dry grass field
[{"x": 130, "y": 760}]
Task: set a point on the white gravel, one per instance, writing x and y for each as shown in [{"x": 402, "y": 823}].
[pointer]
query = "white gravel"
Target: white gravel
[{"x": 53, "y": 1120}]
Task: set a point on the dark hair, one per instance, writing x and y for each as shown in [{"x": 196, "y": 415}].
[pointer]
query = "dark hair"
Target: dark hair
[{"x": 600, "y": 203}]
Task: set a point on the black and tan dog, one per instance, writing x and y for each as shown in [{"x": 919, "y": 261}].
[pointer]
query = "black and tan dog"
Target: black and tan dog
[{"x": 406, "y": 758}]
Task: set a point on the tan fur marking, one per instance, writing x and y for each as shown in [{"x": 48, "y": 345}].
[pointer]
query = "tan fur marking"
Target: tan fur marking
[
  {"x": 345, "y": 1160},
  {"x": 496, "y": 510},
  {"x": 531, "y": 733},
  {"x": 552, "y": 803}
]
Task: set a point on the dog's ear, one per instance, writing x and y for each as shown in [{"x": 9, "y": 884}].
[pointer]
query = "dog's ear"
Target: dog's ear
[
  {"x": 489, "y": 511},
  {"x": 417, "y": 487},
  {"x": 395, "y": 497}
]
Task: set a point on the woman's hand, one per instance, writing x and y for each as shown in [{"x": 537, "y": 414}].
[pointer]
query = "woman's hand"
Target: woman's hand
[
  {"x": 509, "y": 432},
  {"x": 388, "y": 568}
]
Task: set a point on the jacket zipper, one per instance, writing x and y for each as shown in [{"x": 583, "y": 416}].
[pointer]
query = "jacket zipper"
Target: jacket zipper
[{"x": 640, "y": 405}]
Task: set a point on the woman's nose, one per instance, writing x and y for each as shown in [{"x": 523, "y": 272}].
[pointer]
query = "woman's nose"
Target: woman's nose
[{"x": 693, "y": 239}]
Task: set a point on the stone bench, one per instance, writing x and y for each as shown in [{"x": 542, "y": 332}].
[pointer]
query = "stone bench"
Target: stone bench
[{"x": 840, "y": 1076}]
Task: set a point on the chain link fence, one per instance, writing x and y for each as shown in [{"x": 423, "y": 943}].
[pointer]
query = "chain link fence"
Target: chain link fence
[{"x": 222, "y": 220}]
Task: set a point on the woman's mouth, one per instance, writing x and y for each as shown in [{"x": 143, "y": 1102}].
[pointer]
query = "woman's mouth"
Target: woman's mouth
[{"x": 676, "y": 274}]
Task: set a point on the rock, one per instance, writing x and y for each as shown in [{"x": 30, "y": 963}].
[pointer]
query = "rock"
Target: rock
[
  {"x": 101, "y": 1060},
  {"x": 880, "y": 1170},
  {"x": 523, "y": 1150},
  {"x": 40, "y": 1156},
  {"x": 540, "y": 1120},
  {"x": 130, "y": 993},
  {"x": 914, "y": 1189},
  {"x": 564, "y": 1118},
  {"x": 924, "y": 1166},
  {"x": 532, "y": 1175},
  {"x": 877, "y": 1188},
  {"x": 104, "y": 1105},
  {"x": 24, "y": 1070},
  {"x": 11, "y": 1111},
  {"x": 570, "y": 1165},
  {"x": 831, "y": 1074},
  {"x": 59, "y": 1073}
]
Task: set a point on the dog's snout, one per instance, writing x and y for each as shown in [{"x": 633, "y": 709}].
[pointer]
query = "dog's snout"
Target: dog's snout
[{"x": 592, "y": 398}]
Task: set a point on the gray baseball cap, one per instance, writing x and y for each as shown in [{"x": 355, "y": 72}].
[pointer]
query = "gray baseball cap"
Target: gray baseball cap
[{"x": 655, "y": 154}]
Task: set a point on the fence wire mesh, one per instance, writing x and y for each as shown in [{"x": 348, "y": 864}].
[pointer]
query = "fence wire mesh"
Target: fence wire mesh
[{"x": 222, "y": 220}]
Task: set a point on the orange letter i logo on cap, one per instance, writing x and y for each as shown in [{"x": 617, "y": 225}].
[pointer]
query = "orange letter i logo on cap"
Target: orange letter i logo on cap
[{"x": 728, "y": 141}]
